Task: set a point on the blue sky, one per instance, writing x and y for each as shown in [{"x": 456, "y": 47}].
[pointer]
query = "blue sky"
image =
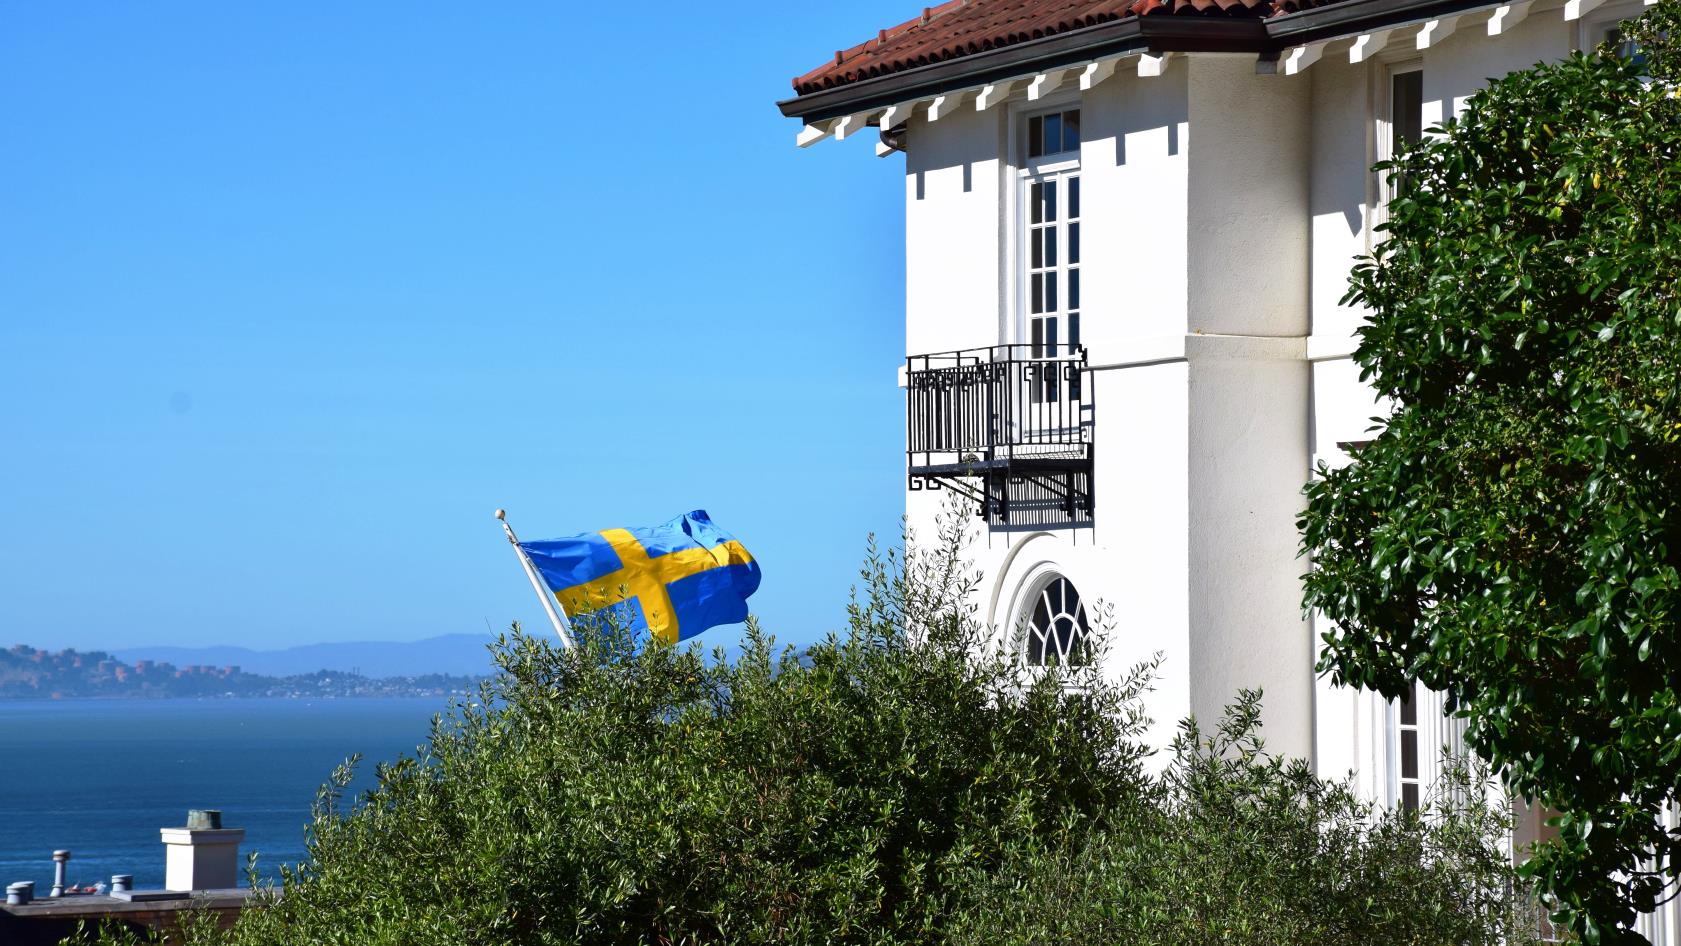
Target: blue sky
[{"x": 292, "y": 296}]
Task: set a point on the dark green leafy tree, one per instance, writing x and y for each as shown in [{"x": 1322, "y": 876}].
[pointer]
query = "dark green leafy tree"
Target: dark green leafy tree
[
  {"x": 1512, "y": 535},
  {"x": 890, "y": 785}
]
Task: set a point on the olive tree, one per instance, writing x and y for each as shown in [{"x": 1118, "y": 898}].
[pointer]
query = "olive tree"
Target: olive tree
[{"x": 901, "y": 782}]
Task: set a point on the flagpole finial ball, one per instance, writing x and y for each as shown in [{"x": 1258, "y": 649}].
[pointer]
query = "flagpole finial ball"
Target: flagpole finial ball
[{"x": 502, "y": 514}]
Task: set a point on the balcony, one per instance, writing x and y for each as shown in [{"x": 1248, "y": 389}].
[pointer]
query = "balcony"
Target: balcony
[{"x": 1008, "y": 427}]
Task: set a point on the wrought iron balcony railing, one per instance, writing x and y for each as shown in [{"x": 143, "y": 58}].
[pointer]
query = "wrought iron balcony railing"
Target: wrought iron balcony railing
[{"x": 1017, "y": 417}]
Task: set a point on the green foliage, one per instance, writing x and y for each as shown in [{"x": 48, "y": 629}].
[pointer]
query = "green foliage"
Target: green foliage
[
  {"x": 895, "y": 785},
  {"x": 1512, "y": 536},
  {"x": 1230, "y": 845}
]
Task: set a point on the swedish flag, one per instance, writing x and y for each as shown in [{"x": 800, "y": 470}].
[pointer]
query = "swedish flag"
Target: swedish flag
[{"x": 672, "y": 581}]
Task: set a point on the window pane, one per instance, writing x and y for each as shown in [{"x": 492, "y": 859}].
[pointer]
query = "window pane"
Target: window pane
[
  {"x": 1409, "y": 797},
  {"x": 1050, "y": 245},
  {"x": 1053, "y": 134},
  {"x": 1036, "y": 239},
  {"x": 1050, "y": 291},
  {"x": 1073, "y": 231},
  {"x": 1406, "y": 109},
  {"x": 1035, "y": 136},
  {"x": 1409, "y": 710},
  {"x": 1071, "y": 130},
  {"x": 1050, "y": 342},
  {"x": 1036, "y": 295},
  {"x": 1073, "y": 289},
  {"x": 1036, "y": 203},
  {"x": 1049, "y": 188},
  {"x": 1057, "y": 628},
  {"x": 1073, "y": 329},
  {"x": 1038, "y": 338},
  {"x": 1625, "y": 47},
  {"x": 1409, "y": 753},
  {"x": 1073, "y": 198}
]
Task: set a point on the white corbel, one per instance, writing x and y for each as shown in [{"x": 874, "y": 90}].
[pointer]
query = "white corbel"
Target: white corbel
[
  {"x": 1154, "y": 64},
  {"x": 1045, "y": 83},
  {"x": 1434, "y": 31},
  {"x": 1368, "y": 45},
  {"x": 1576, "y": 9},
  {"x": 994, "y": 93},
  {"x": 853, "y": 124},
  {"x": 944, "y": 105},
  {"x": 1506, "y": 16},
  {"x": 882, "y": 150},
  {"x": 812, "y": 134},
  {"x": 1098, "y": 71},
  {"x": 899, "y": 114},
  {"x": 1301, "y": 57}
]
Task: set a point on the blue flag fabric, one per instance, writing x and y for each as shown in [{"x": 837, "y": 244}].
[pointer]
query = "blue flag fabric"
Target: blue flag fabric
[{"x": 671, "y": 581}]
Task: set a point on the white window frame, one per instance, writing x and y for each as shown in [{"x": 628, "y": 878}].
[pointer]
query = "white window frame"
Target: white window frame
[
  {"x": 1014, "y": 327},
  {"x": 1383, "y": 138},
  {"x": 1437, "y": 733},
  {"x": 1425, "y": 764},
  {"x": 1030, "y": 592},
  {"x": 1591, "y": 29}
]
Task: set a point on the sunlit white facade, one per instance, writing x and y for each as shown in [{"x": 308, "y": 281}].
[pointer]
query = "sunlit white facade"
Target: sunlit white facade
[{"x": 1205, "y": 212}]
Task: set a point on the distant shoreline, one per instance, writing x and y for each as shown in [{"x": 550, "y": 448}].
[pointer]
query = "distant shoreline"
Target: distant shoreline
[
  {"x": 31, "y": 674},
  {"x": 221, "y": 697}
]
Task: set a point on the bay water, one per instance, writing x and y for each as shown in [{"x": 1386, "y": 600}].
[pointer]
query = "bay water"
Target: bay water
[{"x": 100, "y": 777}]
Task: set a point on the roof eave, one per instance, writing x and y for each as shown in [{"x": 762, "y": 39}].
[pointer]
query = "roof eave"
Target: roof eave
[
  {"x": 1114, "y": 38},
  {"x": 1153, "y": 33},
  {"x": 1352, "y": 17}
]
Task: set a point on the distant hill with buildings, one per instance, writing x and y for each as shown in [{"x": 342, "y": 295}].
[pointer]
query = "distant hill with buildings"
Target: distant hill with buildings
[
  {"x": 458, "y": 654},
  {"x": 28, "y": 673}
]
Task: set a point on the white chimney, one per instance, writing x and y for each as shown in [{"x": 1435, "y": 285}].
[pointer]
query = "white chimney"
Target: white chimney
[{"x": 203, "y": 855}]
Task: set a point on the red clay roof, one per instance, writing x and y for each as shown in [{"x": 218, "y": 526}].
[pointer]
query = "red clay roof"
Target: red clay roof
[{"x": 962, "y": 27}]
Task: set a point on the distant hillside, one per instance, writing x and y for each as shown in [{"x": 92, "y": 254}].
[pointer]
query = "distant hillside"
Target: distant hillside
[
  {"x": 460, "y": 654},
  {"x": 27, "y": 673}
]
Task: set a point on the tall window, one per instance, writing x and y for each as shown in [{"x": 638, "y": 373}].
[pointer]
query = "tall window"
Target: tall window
[
  {"x": 1051, "y": 255},
  {"x": 1625, "y": 47},
  {"x": 1057, "y": 629},
  {"x": 1409, "y": 781},
  {"x": 1401, "y": 125},
  {"x": 1606, "y": 25}
]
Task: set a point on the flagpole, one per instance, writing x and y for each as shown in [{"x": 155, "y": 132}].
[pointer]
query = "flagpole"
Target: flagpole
[{"x": 561, "y": 626}]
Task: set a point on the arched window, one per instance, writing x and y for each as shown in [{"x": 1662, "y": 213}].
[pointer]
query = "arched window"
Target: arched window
[{"x": 1056, "y": 625}]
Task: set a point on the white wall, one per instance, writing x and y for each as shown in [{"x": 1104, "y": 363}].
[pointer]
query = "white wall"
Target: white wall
[
  {"x": 1466, "y": 60},
  {"x": 1341, "y": 151},
  {"x": 1350, "y": 725},
  {"x": 1247, "y": 315},
  {"x": 1222, "y": 213},
  {"x": 1133, "y": 172},
  {"x": 1134, "y": 167},
  {"x": 1248, "y": 196},
  {"x": 953, "y": 215},
  {"x": 1247, "y": 428}
]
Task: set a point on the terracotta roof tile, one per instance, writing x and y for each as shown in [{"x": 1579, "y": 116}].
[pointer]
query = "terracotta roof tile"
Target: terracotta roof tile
[{"x": 964, "y": 27}]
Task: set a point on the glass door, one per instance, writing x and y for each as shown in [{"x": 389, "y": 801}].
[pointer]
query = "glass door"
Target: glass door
[{"x": 1052, "y": 284}]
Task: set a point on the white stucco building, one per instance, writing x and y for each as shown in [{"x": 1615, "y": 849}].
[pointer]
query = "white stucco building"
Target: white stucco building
[{"x": 1129, "y": 226}]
